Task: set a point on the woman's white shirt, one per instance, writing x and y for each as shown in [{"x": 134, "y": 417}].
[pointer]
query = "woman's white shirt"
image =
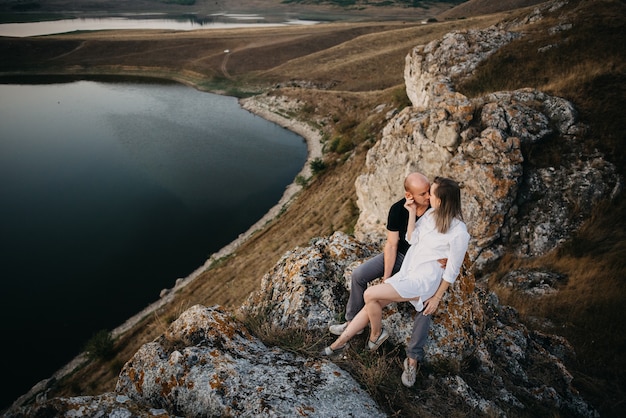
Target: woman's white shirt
[{"x": 421, "y": 273}]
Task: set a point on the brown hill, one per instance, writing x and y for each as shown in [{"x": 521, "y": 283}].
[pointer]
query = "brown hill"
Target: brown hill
[{"x": 474, "y": 8}]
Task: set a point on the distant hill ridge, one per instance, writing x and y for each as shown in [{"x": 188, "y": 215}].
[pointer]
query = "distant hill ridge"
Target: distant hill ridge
[{"x": 483, "y": 7}]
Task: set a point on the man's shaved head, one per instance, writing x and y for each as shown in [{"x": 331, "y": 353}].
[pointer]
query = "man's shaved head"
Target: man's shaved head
[
  {"x": 416, "y": 181},
  {"x": 417, "y": 187}
]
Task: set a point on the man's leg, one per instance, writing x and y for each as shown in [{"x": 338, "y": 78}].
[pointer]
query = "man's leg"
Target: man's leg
[
  {"x": 372, "y": 269},
  {"x": 419, "y": 337},
  {"x": 415, "y": 348},
  {"x": 361, "y": 276}
]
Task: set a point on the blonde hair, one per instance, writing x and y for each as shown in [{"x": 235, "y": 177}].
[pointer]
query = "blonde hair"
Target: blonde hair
[{"x": 449, "y": 192}]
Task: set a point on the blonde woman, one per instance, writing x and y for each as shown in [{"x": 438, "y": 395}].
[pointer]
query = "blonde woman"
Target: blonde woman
[{"x": 439, "y": 233}]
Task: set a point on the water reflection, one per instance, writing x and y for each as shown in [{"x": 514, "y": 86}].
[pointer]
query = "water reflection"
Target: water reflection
[
  {"x": 181, "y": 23},
  {"x": 110, "y": 192}
]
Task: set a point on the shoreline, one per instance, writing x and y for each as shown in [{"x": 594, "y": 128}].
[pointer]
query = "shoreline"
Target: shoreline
[{"x": 268, "y": 112}]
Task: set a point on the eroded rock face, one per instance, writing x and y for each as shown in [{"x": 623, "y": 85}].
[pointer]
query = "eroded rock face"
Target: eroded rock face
[
  {"x": 208, "y": 365},
  {"x": 483, "y": 144},
  {"x": 430, "y": 68}
]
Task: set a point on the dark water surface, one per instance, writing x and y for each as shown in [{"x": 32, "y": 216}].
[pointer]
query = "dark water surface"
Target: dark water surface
[{"x": 110, "y": 192}]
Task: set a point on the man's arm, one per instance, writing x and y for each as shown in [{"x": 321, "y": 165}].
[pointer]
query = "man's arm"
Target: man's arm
[{"x": 390, "y": 252}]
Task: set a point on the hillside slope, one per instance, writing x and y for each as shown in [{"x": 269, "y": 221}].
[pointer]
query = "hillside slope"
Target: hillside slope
[{"x": 474, "y": 8}]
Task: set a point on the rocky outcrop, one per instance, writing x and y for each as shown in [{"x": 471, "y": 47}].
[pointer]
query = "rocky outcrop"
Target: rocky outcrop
[
  {"x": 484, "y": 143},
  {"x": 207, "y": 364},
  {"x": 308, "y": 288}
]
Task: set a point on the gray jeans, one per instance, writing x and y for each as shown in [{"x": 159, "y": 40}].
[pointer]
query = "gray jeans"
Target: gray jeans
[
  {"x": 373, "y": 269},
  {"x": 419, "y": 336}
]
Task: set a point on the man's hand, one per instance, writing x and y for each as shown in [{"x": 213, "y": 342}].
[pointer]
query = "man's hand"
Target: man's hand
[{"x": 443, "y": 262}]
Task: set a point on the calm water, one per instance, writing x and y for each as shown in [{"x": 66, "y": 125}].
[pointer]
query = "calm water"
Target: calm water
[
  {"x": 109, "y": 193},
  {"x": 218, "y": 21}
]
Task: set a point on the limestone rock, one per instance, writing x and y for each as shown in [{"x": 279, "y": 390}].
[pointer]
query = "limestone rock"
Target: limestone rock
[
  {"x": 483, "y": 143},
  {"x": 208, "y": 365},
  {"x": 472, "y": 334}
]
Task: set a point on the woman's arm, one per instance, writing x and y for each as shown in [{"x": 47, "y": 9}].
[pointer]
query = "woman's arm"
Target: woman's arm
[
  {"x": 430, "y": 305},
  {"x": 411, "y": 206},
  {"x": 458, "y": 248}
]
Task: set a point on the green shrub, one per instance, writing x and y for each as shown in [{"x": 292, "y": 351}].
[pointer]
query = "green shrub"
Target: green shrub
[
  {"x": 100, "y": 345},
  {"x": 317, "y": 165},
  {"x": 344, "y": 145},
  {"x": 301, "y": 181},
  {"x": 400, "y": 99}
]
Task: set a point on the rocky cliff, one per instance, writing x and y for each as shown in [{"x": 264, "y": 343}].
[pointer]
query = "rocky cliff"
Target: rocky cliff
[
  {"x": 208, "y": 363},
  {"x": 484, "y": 143}
]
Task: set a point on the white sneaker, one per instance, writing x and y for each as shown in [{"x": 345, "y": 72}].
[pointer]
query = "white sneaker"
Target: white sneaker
[
  {"x": 373, "y": 345},
  {"x": 337, "y": 352},
  {"x": 409, "y": 373},
  {"x": 338, "y": 329}
]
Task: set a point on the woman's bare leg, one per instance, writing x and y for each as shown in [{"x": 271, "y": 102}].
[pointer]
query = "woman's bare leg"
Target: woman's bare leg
[
  {"x": 358, "y": 323},
  {"x": 376, "y": 298}
]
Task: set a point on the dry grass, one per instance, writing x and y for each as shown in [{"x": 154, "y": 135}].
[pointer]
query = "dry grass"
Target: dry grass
[
  {"x": 364, "y": 62},
  {"x": 588, "y": 308}
]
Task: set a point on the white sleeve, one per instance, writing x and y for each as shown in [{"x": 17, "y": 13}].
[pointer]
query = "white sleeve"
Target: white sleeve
[{"x": 458, "y": 248}]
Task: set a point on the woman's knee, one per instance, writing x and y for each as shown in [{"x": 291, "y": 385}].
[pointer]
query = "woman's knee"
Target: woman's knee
[
  {"x": 367, "y": 295},
  {"x": 372, "y": 293}
]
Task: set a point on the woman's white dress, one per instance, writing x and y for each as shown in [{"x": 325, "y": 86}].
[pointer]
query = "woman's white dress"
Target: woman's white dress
[{"x": 421, "y": 273}]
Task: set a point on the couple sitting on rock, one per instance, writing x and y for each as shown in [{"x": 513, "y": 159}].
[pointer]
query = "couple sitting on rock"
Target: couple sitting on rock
[{"x": 425, "y": 248}]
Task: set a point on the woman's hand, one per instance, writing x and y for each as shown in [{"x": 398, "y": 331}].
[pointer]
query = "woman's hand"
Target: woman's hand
[
  {"x": 410, "y": 205},
  {"x": 430, "y": 306}
]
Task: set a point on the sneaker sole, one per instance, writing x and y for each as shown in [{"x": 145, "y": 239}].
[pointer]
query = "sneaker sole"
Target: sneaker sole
[{"x": 405, "y": 373}]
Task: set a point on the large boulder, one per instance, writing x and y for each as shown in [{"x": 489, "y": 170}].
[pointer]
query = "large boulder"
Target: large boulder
[{"x": 477, "y": 339}]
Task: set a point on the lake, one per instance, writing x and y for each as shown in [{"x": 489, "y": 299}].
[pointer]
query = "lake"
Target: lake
[
  {"x": 217, "y": 21},
  {"x": 111, "y": 192}
]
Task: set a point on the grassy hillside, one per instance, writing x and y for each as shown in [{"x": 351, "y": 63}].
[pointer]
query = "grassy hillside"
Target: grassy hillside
[{"x": 357, "y": 66}]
